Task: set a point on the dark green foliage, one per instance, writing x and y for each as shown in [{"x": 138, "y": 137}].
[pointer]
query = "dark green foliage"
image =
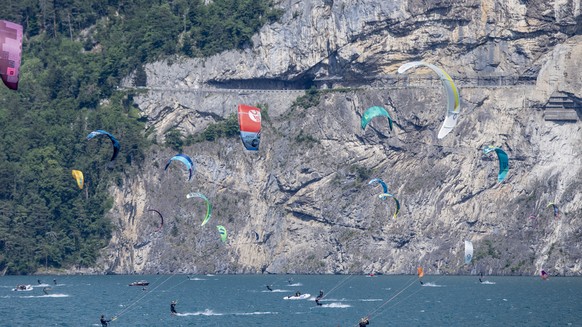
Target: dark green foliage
[
  {"x": 174, "y": 139},
  {"x": 308, "y": 100},
  {"x": 140, "y": 78},
  {"x": 45, "y": 220},
  {"x": 362, "y": 173},
  {"x": 487, "y": 250},
  {"x": 306, "y": 138},
  {"x": 224, "y": 24},
  {"x": 75, "y": 54},
  {"x": 225, "y": 128},
  {"x": 264, "y": 112}
]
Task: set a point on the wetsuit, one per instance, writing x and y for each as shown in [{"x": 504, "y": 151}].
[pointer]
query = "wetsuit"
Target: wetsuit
[
  {"x": 173, "y": 308},
  {"x": 104, "y": 322},
  {"x": 269, "y": 288},
  {"x": 319, "y": 297}
]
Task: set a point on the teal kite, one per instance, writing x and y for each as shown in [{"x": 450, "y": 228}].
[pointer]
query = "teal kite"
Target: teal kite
[
  {"x": 503, "y": 161},
  {"x": 373, "y": 112},
  {"x": 114, "y": 141},
  {"x": 381, "y": 182},
  {"x": 186, "y": 160}
]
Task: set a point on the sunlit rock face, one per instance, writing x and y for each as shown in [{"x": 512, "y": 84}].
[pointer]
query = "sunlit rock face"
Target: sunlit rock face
[{"x": 302, "y": 203}]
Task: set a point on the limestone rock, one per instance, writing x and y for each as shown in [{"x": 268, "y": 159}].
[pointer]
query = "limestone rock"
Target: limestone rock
[{"x": 302, "y": 203}]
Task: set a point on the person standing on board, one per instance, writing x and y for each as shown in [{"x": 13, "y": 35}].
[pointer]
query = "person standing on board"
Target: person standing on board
[
  {"x": 364, "y": 322},
  {"x": 104, "y": 321},
  {"x": 173, "y": 308},
  {"x": 319, "y": 297}
]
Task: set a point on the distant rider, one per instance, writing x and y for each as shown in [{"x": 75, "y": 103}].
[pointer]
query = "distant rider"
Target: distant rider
[
  {"x": 319, "y": 297},
  {"x": 269, "y": 288},
  {"x": 173, "y": 307},
  {"x": 104, "y": 321},
  {"x": 364, "y": 322}
]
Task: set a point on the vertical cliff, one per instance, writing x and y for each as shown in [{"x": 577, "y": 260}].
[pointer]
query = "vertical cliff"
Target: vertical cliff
[{"x": 302, "y": 203}]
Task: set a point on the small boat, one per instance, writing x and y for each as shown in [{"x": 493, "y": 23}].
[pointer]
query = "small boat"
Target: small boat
[
  {"x": 139, "y": 283},
  {"x": 297, "y": 297},
  {"x": 22, "y": 287}
]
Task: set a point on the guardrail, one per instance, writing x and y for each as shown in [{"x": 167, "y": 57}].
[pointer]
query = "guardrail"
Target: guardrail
[{"x": 375, "y": 82}]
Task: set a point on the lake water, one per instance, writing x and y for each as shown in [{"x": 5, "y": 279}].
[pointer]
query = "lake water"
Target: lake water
[{"x": 244, "y": 300}]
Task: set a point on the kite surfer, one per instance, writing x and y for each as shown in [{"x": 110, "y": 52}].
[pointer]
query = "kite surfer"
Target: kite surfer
[
  {"x": 104, "y": 321},
  {"x": 269, "y": 288},
  {"x": 38, "y": 280},
  {"x": 319, "y": 297},
  {"x": 364, "y": 322},
  {"x": 173, "y": 308},
  {"x": 45, "y": 289},
  {"x": 55, "y": 281},
  {"x": 480, "y": 280}
]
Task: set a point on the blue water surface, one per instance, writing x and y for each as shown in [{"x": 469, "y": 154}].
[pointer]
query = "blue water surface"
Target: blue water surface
[{"x": 244, "y": 300}]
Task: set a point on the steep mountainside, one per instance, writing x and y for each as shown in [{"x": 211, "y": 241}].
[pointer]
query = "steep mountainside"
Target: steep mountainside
[{"x": 302, "y": 203}]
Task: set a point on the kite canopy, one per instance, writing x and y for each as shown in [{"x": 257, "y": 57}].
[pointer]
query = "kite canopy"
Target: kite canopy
[
  {"x": 185, "y": 160},
  {"x": 78, "y": 176},
  {"x": 222, "y": 232},
  {"x": 161, "y": 219},
  {"x": 383, "y": 196},
  {"x": 374, "y": 112},
  {"x": 208, "y": 205},
  {"x": 468, "y": 252},
  {"x": 249, "y": 120},
  {"x": 420, "y": 272},
  {"x": 116, "y": 145},
  {"x": 453, "y": 101},
  {"x": 503, "y": 161},
  {"x": 556, "y": 209},
  {"x": 10, "y": 53},
  {"x": 381, "y": 182}
]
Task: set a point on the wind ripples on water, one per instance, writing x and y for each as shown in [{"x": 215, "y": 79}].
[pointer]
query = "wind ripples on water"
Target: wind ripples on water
[{"x": 242, "y": 300}]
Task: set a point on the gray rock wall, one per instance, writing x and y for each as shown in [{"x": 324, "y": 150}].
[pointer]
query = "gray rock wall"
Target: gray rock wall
[{"x": 305, "y": 193}]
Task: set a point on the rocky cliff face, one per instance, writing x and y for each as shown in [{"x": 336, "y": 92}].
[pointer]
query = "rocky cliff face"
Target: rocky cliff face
[{"x": 302, "y": 203}]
